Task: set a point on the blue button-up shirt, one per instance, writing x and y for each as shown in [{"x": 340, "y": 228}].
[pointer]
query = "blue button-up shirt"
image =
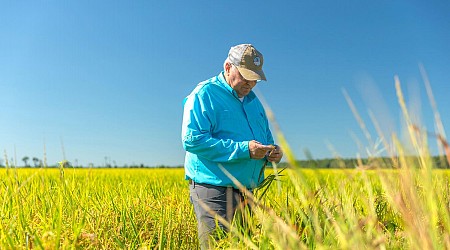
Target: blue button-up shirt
[{"x": 217, "y": 128}]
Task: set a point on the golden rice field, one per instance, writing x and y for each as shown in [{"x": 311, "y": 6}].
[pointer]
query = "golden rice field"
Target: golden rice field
[
  {"x": 402, "y": 203},
  {"x": 95, "y": 208},
  {"x": 150, "y": 209}
]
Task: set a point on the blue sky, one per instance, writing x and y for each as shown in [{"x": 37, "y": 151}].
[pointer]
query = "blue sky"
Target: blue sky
[{"x": 107, "y": 78}]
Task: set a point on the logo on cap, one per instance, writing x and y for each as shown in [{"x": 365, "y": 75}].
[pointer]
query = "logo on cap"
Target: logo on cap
[{"x": 256, "y": 61}]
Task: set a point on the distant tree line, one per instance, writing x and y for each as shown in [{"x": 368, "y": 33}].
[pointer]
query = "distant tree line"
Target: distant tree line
[
  {"x": 368, "y": 163},
  {"x": 37, "y": 163},
  {"x": 439, "y": 162}
]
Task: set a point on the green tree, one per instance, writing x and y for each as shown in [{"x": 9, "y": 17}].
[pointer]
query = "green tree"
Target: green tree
[
  {"x": 36, "y": 161},
  {"x": 25, "y": 160}
]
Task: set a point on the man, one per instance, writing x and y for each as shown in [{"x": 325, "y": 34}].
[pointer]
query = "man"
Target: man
[{"x": 224, "y": 125}]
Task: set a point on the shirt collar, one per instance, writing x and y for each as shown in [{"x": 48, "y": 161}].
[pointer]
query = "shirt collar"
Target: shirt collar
[{"x": 223, "y": 82}]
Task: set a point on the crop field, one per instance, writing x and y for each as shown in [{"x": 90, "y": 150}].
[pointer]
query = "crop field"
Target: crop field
[
  {"x": 397, "y": 202},
  {"x": 95, "y": 208},
  {"x": 150, "y": 208}
]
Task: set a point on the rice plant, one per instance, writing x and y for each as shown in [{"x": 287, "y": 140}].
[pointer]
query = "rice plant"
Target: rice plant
[{"x": 396, "y": 202}]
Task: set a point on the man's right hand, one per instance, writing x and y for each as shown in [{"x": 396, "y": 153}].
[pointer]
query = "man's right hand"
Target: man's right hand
[{"x": 258, "y": 150}]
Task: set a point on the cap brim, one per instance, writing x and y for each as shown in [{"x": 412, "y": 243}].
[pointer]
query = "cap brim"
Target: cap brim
[{"x": 252, "y": 75}]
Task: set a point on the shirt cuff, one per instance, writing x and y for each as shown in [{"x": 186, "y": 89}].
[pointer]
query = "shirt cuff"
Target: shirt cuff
[{"x": 245, "y": 152}]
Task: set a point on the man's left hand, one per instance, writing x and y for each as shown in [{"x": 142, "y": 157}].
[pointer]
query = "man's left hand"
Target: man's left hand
[{"x": 275, "y": 155}]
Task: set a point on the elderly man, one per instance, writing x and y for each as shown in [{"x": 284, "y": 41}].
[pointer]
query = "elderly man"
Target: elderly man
[{"x": 224, "y": 124}]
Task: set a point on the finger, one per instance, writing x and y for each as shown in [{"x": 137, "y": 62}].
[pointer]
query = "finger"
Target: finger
[
  {"x": 277, "y": 149},
  {"x": 264, "y": 150},
  {"x": 261, "y": 152},
  {"x": 267, "y": 147},
  {"x": 274, "y": 159},
  {"x": 275, "y": 155}
]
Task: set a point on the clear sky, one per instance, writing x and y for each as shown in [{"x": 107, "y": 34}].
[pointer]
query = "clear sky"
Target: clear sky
[{"x": 107, "y": 78}]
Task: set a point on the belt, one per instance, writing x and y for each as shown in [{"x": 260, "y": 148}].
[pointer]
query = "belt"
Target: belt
[{"x": 191, "y": 182}]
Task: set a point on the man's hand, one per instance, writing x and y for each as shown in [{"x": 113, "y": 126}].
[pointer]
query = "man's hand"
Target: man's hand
[
  {"x": 275, "y": 155},
  {"x": 258, "y": 150}
]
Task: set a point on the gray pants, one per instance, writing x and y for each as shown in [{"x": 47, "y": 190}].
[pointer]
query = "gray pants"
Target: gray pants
[{"x": 209, "y": 202}]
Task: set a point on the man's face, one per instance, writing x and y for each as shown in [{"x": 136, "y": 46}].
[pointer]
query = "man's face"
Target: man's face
[{"x": 237, "y": 82}]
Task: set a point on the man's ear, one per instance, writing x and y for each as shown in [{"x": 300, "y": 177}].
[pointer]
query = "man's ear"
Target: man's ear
[{"x": 227, "y": 67}]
